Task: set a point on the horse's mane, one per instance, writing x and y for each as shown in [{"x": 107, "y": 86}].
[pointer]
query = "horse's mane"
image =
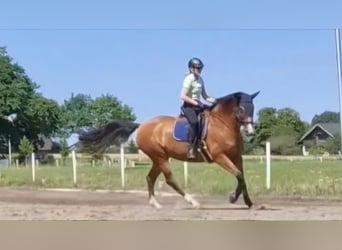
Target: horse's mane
[{"x": 226, "y": 98}]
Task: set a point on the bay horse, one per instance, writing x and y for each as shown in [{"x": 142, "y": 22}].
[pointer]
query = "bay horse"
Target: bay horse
[{"x": 224, "y": 123}]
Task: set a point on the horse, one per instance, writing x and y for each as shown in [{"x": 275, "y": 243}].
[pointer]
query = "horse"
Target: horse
[{"x": 223, "y": 125}]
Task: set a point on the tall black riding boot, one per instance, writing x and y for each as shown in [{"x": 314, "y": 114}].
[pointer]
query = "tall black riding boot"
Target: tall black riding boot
[{"x": 192, "y": 144}]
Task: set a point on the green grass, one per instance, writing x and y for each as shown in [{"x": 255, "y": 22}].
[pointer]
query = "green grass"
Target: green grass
[{"x": 294, "y": 179}]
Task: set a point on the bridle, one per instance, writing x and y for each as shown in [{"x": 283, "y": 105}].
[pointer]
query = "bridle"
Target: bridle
[{"x": 240, "y": 115}]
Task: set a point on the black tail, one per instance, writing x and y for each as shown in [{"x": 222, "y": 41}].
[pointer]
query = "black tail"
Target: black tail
[{"x": 98, "y": 140}]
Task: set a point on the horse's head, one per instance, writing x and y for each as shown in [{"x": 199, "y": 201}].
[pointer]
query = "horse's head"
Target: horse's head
[{"x": 243, "y": 107}]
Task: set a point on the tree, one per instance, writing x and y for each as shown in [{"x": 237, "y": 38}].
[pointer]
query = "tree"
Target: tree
[
  {"x": 25, "y": 149},
  {"x": 81, "y": 111},
  {"x": 290, "y": 118},
  {"x": 284, "y": 140},
  {"x": 333, "y": 145},
  {"x": 15, "y": 86},
  {"x": 326, "y": 117},
  {"x": 107, "y": 108},
  {"x": 76, "y": 114},
  {"x": 267, "y": 118},
  {"x": 37, "y": 115},
  {"x": 40, "y": 117},
  {"x": 283, "y": 127},
  {"x": 132, "y": 147},
  {"x": 64, "y": 150}
]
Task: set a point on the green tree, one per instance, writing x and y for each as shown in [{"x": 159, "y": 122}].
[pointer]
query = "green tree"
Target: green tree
[
  {"x": 64, "y": 150},
  {"x": 326, "y": 117},
  {"x": 281, "y": 126},
  {"x": 267, "y": 118},
  {"x": 132, "y": 147},
  {"x": 107, "y": 108},
  {"x": 25, "y": 149},
  {"x": 76, "y": 113},
  {"x": 333, "y": 145},
  {"x": 284, "y": 141},
  {"x": 40, "y": 117},
  {"x": 16, "y": 87},
  {"x": 81, "y": 111},
  {"x": 290, "y": 118},
  {"x": 18, "y": 94}
]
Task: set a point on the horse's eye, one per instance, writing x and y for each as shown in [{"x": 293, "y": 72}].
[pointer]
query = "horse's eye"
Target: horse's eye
[{"x": 241, "y": 110}]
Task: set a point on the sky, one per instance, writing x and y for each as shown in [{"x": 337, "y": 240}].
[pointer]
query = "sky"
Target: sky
[{"x": 138, "y": 50}]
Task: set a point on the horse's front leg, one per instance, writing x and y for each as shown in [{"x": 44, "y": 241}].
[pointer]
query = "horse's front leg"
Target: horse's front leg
[
  {"x": 241, "y": 185},
  {"x": 235, "y": 167}
]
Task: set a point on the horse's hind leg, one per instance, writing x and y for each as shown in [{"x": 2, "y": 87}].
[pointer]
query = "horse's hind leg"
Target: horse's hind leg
[
  {"x": 151, "y": 179},
  {"x": 171, "y": 181}
]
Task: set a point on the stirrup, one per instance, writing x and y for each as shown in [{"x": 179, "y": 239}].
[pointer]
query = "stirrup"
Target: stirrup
[{"x": 191, "y": 153}]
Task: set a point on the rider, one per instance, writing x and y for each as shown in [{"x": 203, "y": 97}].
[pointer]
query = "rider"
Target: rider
[{"x": 193, "y": 89}]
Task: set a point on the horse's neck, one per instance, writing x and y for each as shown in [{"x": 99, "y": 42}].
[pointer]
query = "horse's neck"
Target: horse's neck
[{"x": 226, "y": 114}]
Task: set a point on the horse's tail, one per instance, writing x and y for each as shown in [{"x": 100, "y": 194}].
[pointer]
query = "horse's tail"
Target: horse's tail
[{"x": 98, "y": 140}]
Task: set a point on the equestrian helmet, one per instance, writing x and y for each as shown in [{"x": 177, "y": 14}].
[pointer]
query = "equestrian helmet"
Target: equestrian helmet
[{"x": 195, "y": 63}]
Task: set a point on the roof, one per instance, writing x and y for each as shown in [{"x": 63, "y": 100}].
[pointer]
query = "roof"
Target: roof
[{"x": 329, "y": 128}]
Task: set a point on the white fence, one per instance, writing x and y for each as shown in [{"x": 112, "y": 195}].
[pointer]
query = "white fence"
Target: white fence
[{"x": 125, "y": 159}]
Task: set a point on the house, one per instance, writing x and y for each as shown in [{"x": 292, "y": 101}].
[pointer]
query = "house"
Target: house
[
  {"x": 44, "y": 147},
  {"x": 318, "y": 135},
  {"x": 47, "y": 145}
]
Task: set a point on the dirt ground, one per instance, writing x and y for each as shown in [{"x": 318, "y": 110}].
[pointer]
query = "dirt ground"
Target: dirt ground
[{"x": 33, "y": 204}]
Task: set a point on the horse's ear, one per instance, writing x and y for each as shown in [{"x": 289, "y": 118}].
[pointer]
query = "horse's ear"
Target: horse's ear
[{"x": 255, "y": 94}]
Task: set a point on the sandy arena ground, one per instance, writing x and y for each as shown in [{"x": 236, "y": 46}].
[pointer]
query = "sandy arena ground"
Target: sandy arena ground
[{"x": 33, "y": 204}]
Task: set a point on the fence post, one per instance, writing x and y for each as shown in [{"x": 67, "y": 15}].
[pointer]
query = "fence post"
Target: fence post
[
  {"x": 186, "y": 173},
  {"x": 268, "y": 165},
  {"x": 122, "y": 163},
  {"x": 74, "y": 166},
  {"x": 33, "y": 167}
]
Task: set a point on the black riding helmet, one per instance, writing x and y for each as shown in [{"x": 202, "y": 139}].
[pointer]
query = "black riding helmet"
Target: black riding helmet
[{"x": 195, "y": 63}]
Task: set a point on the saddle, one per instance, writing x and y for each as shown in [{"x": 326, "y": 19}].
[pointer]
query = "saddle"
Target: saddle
[{"x": 181, "y": 129}]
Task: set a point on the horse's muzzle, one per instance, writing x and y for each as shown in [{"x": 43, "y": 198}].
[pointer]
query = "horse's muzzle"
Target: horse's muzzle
[{"x": 247, "y": 129}]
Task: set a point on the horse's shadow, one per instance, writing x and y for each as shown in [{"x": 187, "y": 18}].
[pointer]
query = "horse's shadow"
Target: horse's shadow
[{"x": 237, "y": 208}]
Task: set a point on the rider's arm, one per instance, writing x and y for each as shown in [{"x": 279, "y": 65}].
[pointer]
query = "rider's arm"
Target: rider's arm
[
  {"x": 205, "y": 95},
  {"x": 185, "y": 89}
]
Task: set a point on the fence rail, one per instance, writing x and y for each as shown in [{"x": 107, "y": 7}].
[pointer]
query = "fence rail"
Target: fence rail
[{"x": 125, "y": 160}]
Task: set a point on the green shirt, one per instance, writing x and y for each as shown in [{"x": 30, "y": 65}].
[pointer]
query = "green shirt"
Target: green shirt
[{"x": 195, "y": 87}]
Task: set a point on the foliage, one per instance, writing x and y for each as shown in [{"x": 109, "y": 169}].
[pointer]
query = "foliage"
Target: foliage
[
  {"x": 76, "y": 113},
  {"x": 132, "y": 147},
  {"x": 25, "y": 149},
  {"x": 284, "y": 145},
  {"x": 81, "y": 111},
  {"x": 37, "y": 115},
  {"x": 15, "y": 86},
  {"x": 267, "y": 118},
  {"x": 107, "y": 108},
  {"x": 317, "y": 150},
  {"x": 326, "y": 117},
  {"x": 333, "y": 145},
  {"x": 64, "y": 149},
  {"x": 282, "y": 127}
]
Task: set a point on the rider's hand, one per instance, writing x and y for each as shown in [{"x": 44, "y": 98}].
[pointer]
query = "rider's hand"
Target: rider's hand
[
  {"x": 200, "y": 105},
  {"x": 211, "y": 99}
]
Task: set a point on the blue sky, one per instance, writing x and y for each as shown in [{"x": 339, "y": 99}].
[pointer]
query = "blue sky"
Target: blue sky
[{"x": 138, "y": 50}]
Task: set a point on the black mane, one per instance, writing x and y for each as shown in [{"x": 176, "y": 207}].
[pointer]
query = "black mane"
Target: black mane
[{"x": 238, "y": 95}]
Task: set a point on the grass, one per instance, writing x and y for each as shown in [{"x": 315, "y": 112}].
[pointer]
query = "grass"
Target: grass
[{"x": 289, "y": 179}]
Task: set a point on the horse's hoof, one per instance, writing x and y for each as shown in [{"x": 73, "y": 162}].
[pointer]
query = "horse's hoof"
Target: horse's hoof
[
  {"x": 232, "y": 198},
  {"x": 248, "y": 202},
  {"x": 195, "y": 205}
]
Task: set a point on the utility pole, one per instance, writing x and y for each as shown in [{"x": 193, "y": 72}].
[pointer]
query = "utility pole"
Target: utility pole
[{"x": 339, "y": 69}]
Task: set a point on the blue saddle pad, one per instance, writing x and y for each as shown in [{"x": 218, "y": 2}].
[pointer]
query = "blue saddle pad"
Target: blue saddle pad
[{"x": 180, "y": 130}]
